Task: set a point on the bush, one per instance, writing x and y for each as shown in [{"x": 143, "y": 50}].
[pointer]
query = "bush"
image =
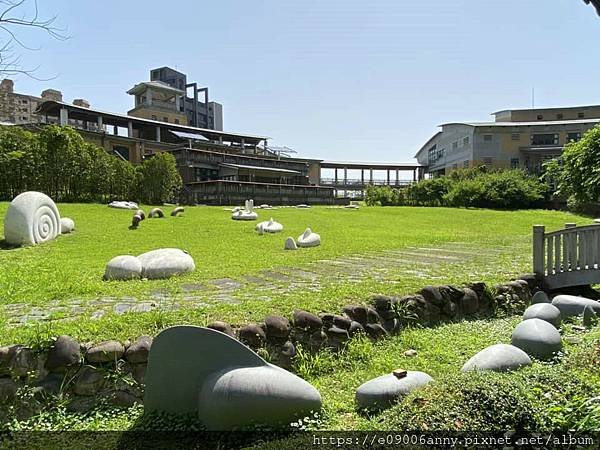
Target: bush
[
  {"x": 58, "y": 162},
  {"x": 478, "y": 187}
]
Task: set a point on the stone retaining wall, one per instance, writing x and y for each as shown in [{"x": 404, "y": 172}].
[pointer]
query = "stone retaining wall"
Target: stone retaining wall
[{"x": 112, "y": 371}]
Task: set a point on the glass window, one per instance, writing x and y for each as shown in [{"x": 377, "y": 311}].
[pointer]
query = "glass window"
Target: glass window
[
  {"x": 121, "y": 151},
  {"x": 540, "y": 117},
  {"x": 544, "y": 139},
  {"x": 581, "y": 115},
  {"x": 514, "y": 163},
  {"x": 488, "y": 137},
  {"x": 466, "y": 140},
  {"x": 573, "y": 137}
]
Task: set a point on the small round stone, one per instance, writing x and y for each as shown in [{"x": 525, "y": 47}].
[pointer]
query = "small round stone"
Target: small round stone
[
  {"x": 544, "y": 311},
  {"x": 538, "y": 338},
  {"x": 124, "y": 267},
  {"x": 498, "y": 358},
  {"x": 540, "y": 297},
  {"x": 381, "y": 392}
]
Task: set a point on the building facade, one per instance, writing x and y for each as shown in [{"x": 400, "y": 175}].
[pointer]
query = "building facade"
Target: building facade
[
  {"x": 206, "y": 114},
  {"x": 524, "y": 139},
  {"x": 19, "y": 108}
]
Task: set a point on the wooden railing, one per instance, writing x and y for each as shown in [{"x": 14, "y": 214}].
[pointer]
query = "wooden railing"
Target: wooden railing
[{"x": 567, "y": 257}]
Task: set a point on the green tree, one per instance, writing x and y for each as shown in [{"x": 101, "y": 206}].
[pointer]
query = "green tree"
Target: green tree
[
  {"x": 159, "y": 179},
  {"x": 577, "y": 175}
]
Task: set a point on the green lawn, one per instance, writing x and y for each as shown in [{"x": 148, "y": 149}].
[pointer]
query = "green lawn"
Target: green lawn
[{"x": 72, "y": 266}]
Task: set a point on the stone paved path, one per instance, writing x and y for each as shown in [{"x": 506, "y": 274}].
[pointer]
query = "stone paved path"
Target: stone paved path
[{"x": 420, "y": 262}]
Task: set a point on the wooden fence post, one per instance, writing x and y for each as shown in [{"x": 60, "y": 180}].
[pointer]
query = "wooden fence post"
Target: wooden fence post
[{"x": 538, "y": 249}]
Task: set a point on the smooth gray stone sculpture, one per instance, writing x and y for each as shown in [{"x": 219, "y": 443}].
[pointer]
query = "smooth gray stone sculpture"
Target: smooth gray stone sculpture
[
  {"x": 32, "y": 218},
  {"x": 200, "y": 370},
  {"x": 544, "y": 311},
  {"x": 290, "y": 244},
  {"x": 165, "y": 263},
  {"x": 66, "y": 225},
  {"x": 571, "y": 305},
  {"x": 309, "y": 239},
  {"x": 124, "y": 267},
  {"x": 383, "y": 391},
  {"x": 537, "y": 338},
  {"x": 269, "y": 226},
  {"x": 540, "y": 297},
  {"x": 498, "y": 358}
]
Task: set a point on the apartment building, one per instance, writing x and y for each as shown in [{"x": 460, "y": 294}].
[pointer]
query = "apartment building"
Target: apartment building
[{"x": 518, "y": 138}]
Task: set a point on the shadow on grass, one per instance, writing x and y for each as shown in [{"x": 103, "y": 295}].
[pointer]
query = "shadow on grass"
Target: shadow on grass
[{"x": 6, "y": 246}]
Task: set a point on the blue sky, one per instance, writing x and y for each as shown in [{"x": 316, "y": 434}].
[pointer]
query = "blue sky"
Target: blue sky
[{"x": 333, "y": 79}]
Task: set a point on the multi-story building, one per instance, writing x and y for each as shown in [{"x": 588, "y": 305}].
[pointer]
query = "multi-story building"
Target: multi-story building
[
  {"x": 19, "y": 108},
  {"x": 205, "y": 114},
  {"x": 523, "y": 138}
]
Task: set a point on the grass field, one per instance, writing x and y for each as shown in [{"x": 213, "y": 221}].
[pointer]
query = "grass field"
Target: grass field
[
  {"x": 71, "y": 267},
  {"x": 499, "y": 247}
]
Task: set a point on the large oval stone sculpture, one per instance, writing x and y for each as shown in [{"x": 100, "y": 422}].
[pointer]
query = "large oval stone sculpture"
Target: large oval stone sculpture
[
  {"x": 32, "y": 218},
  {"x": 538, "y": 338},
  {"x": 383, "y": 391},
  {"x": 498, "y": 358},
  {"x": 165, "y": 263},
  {"x": 544, "y": 311},
  {"x": 571, "y": 305},
  {"x": 203, "y": 371},
  {"x": 269, "y": 226}
]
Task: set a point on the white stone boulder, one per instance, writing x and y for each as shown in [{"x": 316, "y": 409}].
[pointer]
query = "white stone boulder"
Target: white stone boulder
[
  {"x": 66, "y": 225},
  {"x": 32, "y": 218},
  {"x": 269, "y": 226},
  {"x": 124, "y": 267},
  {"x": 309, "y": 239},
  {"x": 352, "y": 206},
  {"x": 302, "y": 206},
  {"x": 498, "y": 358},
  {"x": 244, "y": 215},
  {"x": 544, "y": 311},
  {"x": 165, "y": 263},
  {"x": 123, "y": 205},
  {"x": 383, "y": 391},
  {"x": 571, "y": 305},
  {"x": 290, "y": 244},
  {"x": 537, "y": 338}
]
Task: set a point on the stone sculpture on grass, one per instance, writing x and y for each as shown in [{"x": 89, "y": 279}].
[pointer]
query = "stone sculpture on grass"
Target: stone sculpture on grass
[
  {"x": 544, "y": 311},
  {"x": 66, "y": 225},
  {"x": 247, "y": 213},
  {"x": 177, "y": 211},
  {"x": 156, "y": 212},
  {"x": 537, "y": 338},
  {"x": 540, "y": 297},
  {"x": 498, "y": 358},
  {"x": 156, "y": 264},
  {"x": 123, "y": 205},
  {"x": 269, "y": 226},
  {"x": 309, "y": 239},
  {"x": 32, "y": 218},
  {"x": 571, "y": 305},
  {"x": 193, "y": 370},
  {"x": 290, "y": 244},
  {"x": 382, "y": 392}
]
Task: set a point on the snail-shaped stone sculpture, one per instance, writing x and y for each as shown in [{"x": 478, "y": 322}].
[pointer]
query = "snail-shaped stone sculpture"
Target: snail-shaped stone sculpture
[
  {"x": 32, "y": 218},
  {"x": 193, "y": 370}
]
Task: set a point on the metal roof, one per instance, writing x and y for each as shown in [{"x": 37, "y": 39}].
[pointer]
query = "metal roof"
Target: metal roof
[
  {"x": 184, "y": 135},
  {"x": 156, "y": 85},
  {"x": 368, "y": 165},
  {"x": 123, "y": 119},
  {"x": 524, "y": 124},
  {"x": 258, "y": 168},
  {"x": 551, "y": 108}
]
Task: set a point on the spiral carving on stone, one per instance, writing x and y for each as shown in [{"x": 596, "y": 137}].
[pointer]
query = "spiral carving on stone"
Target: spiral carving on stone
[{"x": 32, "y": 218}]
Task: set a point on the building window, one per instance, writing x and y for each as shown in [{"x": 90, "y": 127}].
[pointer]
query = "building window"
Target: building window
[
  {"x": 153, "y": 117},
  {"x": 466, "y": 140},
  {"x": 540, "y": 117},
  {"x": 514, "y": 163},
  {"x": 488, "y": 137},
  {"x": 573, "y": 137},
  {"x": 559, "y": 117},
  {"x": 581, "y": 115},
  {"x": 466, "y": 164},
  {"x": 121, "y": 151},
  {"x": 454, "y": 145},
  {"x": 23, "y": 118},
  {"x": 515, "y": 136},
  {"x": 488, "y": 160},
  {"x": 544, "y": 139},
  {"x": 166, "y": 119},
  {"x": 24, "y": 102}
]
